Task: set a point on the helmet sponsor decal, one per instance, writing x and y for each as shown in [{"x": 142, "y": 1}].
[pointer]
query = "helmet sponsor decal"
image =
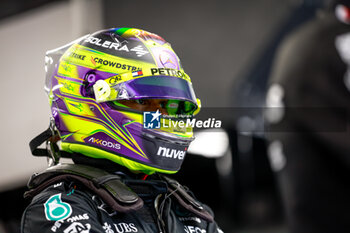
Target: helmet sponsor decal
[
  {"x": 77, "y": 56},
  {"x": 169, "y": 72},
  {"x": 139, "y": 50},
  {"x": 55, "y": 209},
  {"x": 171, "y": 153},
  {"x": 104, "y": 143},
  {"x": 137, "y": 73},
  {"x": 168, "y": 59},
  {"x": 107, "y": 44},
  {"x": 106, "y": 62},
  {"x": 93, "y": 60}
]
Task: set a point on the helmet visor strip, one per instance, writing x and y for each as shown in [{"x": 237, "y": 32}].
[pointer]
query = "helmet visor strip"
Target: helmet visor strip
[
  {"x": 173, "y": 94},
  {"x": 169, "y": 107}
]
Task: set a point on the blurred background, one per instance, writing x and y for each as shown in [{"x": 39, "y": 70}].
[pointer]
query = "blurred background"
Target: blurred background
[{"x": 226, "y": 46}]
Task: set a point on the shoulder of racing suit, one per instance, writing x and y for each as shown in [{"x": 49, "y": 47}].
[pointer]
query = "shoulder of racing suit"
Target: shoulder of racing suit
[{"x": 111, "y": 188}]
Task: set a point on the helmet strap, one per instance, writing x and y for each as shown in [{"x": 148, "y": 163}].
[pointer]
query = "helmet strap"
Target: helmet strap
[
  {"x": 52, "y": 151},
  {"x": 51, "y": 145}
]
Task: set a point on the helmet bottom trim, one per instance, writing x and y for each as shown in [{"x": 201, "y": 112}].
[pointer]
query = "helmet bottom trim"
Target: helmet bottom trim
[{"x": 97, "y": 153}]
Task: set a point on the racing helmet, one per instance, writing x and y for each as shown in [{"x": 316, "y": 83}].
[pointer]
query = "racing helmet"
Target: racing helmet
[{"x": 91, "y": 83}]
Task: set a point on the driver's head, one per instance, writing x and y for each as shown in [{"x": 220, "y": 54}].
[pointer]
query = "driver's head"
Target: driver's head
[{"x": 108, "y": 91}]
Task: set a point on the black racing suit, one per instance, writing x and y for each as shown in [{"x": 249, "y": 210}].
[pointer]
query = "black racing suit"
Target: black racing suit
[
  {"x": 68, "y": 206},
  {"x": 310, "y": 144}
]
